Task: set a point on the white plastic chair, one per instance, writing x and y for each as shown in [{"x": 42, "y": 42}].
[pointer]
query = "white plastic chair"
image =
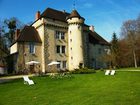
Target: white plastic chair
[
  {"x": 27, "y": 80},
  {"x": 112, "y": 72},
  {"x": 107, "y": 72}
]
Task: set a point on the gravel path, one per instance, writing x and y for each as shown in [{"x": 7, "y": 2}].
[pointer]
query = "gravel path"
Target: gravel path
[{"x": 9, "y": 78}]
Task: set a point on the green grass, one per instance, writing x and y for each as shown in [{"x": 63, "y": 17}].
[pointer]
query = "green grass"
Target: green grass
[
  {"x": 130, "y": 68},
  {"x": 81, "y": 89}
]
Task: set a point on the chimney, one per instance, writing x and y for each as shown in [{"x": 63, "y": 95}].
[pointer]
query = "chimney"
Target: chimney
[
  {"x": 17, "y": 33},
  {"x": 91, "y": 28},
  {"x": 37, "y": 16}
]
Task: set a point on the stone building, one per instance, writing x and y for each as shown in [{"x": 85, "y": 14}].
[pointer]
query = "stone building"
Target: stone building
[{"x": 58, "y": 36}]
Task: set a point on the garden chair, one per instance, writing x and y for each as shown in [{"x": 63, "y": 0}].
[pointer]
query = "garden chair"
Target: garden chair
[
  {"x": 107, "y": 72},
  {"x": 27, "y": 80},
  {"x": 112, "y": 72}
]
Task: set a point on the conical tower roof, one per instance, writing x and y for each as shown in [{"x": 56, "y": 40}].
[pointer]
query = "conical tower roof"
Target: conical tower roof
[{"x": 73, "y": 14}]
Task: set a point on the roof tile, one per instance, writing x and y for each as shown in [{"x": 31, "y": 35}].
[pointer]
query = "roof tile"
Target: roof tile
[
  {"x": 95, "y": 38},
  {"x": 29, "y": 34},
  {"x": 55, "y": 14}
]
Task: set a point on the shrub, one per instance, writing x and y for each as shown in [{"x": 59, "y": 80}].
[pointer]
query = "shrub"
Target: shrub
[{"x": 83, "y": 71}]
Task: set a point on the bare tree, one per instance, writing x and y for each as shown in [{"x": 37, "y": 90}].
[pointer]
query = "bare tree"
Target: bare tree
[{"x": 129, "y": 32}]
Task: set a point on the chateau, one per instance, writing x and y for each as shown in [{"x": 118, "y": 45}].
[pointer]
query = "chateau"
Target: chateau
[{"x": 58, "y": 36}]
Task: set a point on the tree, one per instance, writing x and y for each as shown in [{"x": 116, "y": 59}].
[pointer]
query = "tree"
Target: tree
[
  {"x": 129, "y": 32},
  {"x": 11, "y": 25},
  {"x": 3, "y": 49},
  {"x": 114, "y": 50},
  {"x": 125, "y": 58},
  {"x": 138, "y": 39},
  {"x": 7, "y": 36}
]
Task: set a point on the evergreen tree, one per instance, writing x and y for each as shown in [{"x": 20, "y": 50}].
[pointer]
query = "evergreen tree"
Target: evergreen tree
[{"x": 114, "y": 50}]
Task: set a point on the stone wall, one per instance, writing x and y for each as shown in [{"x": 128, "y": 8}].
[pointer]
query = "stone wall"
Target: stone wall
[
  {"x": 24, "y": 56},
  {"x": 51, "y": 42},
  {"x": 96, "y": 54},
  {"x": 86, "y": 48},
  {"x": 39, "y": 25}
]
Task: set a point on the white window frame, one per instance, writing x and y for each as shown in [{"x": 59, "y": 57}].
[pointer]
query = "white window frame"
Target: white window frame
[
  {"x": 61, "y": 46},
  {"x": 59, "y": 35},
  {"x": 61, "y": 65}
]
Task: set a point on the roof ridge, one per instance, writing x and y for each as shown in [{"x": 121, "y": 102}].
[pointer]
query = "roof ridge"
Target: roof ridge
[
  {"x": 52, "y": 9},
  {"x": 57, "y": 10},
  {"x": 55, "y": 14}
]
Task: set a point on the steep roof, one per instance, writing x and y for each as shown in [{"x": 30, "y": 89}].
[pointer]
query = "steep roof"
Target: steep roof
[
  {"x": 62, "y": 16},
  {"x": 55, "y": 14},
  {"x": 95, "y": 38},
  {"x": 74, "y": 13},
  {"x": 29, "y": 34}
]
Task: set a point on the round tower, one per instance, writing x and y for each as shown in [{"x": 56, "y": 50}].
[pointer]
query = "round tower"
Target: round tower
[{"x": 75, "y": 40}]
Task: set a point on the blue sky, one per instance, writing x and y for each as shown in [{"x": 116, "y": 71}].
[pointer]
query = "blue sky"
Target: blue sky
[{"x": 107, "y": 16}]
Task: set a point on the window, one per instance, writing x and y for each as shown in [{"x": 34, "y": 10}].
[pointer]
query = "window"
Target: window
[
  {"x": 60, "y": 49},
  {"x": 60, "y": 35},
  {"x": 80, "y": 65},
  {"x": 71, "y": 57},
  {"x": 57, "y": 35},
  {"x": 78, "y": 26},
  {"x": 107, "y": 51},
  {"x": 32, "y": 48},
  {"x": 63, "y": 49},
  {"x": 57, "y": 49},
  {"x": 59, "y": 65},
  {"x": 64, "y": 64}
]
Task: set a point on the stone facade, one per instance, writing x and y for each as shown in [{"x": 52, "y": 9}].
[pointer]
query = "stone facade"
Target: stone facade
[
  {"x": 23, "y": 56},
  {"x": 51, "y": 42},
  {"x": 97, "y": 52},
  {"x": 72, "y": 50}
]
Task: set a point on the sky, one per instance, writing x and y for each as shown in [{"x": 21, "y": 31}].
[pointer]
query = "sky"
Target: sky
[{"x": 107, "y": 16}]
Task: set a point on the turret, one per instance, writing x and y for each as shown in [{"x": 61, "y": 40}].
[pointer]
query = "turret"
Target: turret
[{"x": 75, "y": 40}]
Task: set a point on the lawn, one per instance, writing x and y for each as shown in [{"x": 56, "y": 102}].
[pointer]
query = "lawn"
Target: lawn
[
  {"x": 80, "y": 89},
  {"x": 130, "y": 68}
]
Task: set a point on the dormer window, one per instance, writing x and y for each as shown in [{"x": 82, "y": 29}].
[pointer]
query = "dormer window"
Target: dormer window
[
  {"x": 31, "y": 48},
  {"x": 60, "y": 35}
]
